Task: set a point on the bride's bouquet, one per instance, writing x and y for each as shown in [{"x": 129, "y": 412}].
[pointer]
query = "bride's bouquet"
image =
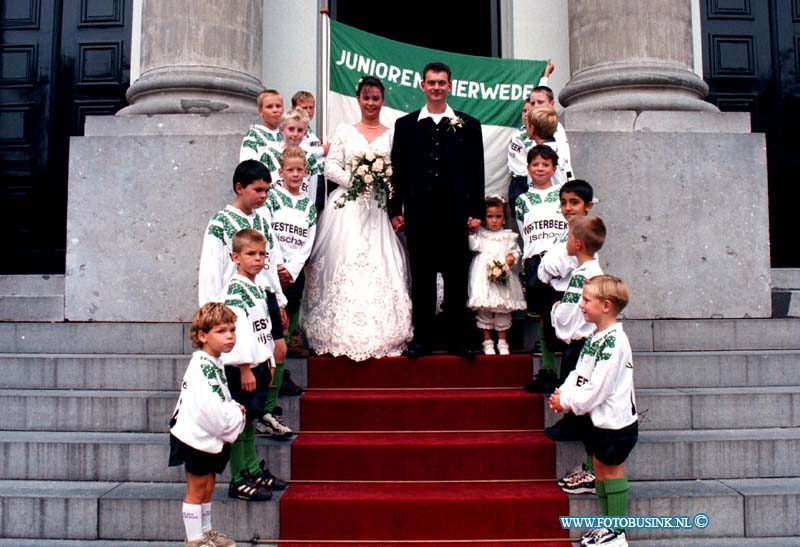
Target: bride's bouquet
[
  {"x": 497, "y": 272},
  {"x": 371, "y": 176}
]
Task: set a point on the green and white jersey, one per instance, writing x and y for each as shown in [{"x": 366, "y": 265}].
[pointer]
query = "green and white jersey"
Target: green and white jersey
[
  {"x": 567, "y": 317},
  {"x": 205, "y": 416},
  {"x": 254, "y": 342},
  {"x": 538, "y": 214},
  {"x": 216, "y": 266},
  {"x": 262, "y": 144},
  {"x": 602, "y": 383},
  {"x": 518, "y": 154},
  {"x": 294, "y": 223}
]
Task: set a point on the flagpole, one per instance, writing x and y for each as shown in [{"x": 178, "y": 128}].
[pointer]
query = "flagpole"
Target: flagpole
[{"x": 324, "y": 80}]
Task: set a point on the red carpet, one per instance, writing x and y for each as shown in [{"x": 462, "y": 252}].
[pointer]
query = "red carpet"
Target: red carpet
[{"x": 487, "y": 441}]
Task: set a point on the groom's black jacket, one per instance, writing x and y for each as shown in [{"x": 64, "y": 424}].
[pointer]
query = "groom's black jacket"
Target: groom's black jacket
[{"x": 438, "y": 179}]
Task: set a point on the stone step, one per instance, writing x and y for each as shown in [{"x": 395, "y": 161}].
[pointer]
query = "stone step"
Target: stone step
[
  {"x": 718, "y": 542},
  {"x": 31, "y": 297},
  {"x": 704, "y": 454},
  {"x": 20, "y": 542},
  {"x": 151, "y": 511},
  {"x": 104, "y": 371},
  {"x": 122, "y": 511},
  {"x": 785, "y": 303},
  {"x": 717, "y": 408},
  {"x": 760, "y": 509},
  {"x": 99, "y": 410},
  {"x": 172, "y": 338},
  {"x": 703, "y": 369},
  {"x": 115, "y": 457}
]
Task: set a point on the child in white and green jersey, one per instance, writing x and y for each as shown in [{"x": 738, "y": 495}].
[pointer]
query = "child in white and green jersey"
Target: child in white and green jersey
[
  {"x": 540, "y": 220},
  {"x": 601, "y": 387},
  {"x": 249, "y": 365},
  {"x": 259, "y": 140},
  {"x": 294, "y": 223},
  {"x": 251, "y": 182},
  {"x": 294, "y": 127}
]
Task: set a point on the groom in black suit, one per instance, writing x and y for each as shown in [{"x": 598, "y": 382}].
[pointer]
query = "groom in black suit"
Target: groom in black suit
[{"x": 438, "y": 179}]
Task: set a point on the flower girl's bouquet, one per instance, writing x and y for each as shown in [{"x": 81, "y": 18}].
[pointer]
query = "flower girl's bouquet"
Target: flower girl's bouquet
[{"x": 497, "y": 272}]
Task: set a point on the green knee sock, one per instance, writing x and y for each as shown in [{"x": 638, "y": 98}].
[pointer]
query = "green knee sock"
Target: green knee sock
[
  {"x": 274, "y": 389},
  {"x": 548, "y": 357},
  {"x": 250, "y": 454},
  {"x": 294, "y": 320},
  {"x": 617, "y": 492},
  {"x": 602, "y": 497},
  {"x": 238, "y": 460},
  {"x": 589, "y": 463}
]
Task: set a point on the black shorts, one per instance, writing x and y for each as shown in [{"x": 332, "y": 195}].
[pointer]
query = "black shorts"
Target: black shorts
[
  {"x": 253, "y": 401},
  {"x": 538, "y": 295},
  {"x": 611, "y": 446},
  {"x": 196, "y": 461}
]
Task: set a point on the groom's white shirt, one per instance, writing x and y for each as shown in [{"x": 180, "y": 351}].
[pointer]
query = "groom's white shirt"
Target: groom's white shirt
[{"x": 424, "y": 113}]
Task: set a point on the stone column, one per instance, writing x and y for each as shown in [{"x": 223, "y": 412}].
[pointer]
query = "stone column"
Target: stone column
[
  {"x": 632, "y": 55},
  {"x": 198, "y": 56}
]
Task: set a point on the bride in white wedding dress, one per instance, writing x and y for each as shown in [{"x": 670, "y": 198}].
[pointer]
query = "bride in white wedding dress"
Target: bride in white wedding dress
[{"x": 356, "y": 301}]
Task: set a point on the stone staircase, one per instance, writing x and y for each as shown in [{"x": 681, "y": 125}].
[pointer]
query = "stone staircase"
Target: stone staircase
[{"x": 83, "y": 450}]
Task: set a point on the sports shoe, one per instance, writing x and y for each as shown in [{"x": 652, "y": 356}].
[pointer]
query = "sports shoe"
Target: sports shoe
[
  {"x": 268, "y": 480},
  {"x": 567, "y": 429},
  {"x": 295, "y": 347},
  {"x": 545, "y": 381},
  {"x": 583, "y": 483},
  {"x": 202, "y": 542},
  {"x": 272, "y": 424},
  {"x": 588, "y": 537},
  {"x": 219, "y": 539},
  {"x": 488, "y": 347},
  {"x": 571, "y": 474},
  {"x": 288, "y": 387},
  {"x": 609, "y": 538},
  {"x": 246, "y": 489},
  {"x": 502, "y": 347}
]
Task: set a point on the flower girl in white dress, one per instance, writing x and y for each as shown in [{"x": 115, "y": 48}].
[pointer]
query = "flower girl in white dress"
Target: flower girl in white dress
[{"x": 494, "y": 289}]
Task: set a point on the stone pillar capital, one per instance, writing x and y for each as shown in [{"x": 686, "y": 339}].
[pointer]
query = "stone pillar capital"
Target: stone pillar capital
[
  {"x": 632, "y": 55},
  {"x": 198, "y": 56}
]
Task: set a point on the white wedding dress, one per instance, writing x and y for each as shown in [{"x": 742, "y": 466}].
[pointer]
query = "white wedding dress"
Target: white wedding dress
[{"x": 356, "y": 301}]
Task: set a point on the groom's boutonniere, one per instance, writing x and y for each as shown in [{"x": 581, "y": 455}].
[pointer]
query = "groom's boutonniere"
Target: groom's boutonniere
[{"x": 456, "y": 124}]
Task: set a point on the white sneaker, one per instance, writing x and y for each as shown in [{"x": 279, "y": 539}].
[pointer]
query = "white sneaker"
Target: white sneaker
[
  {"x": 488, "y": 347},
  {"x": 273, "y": 425},
  {"x": 570, "y": 474},
  {"x": 502, "y": 347},
  {"x": 219, "y": 539},
  {"x": 609, "y": 538}
]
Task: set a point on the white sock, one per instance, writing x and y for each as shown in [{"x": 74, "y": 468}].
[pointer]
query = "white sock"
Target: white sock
[
  {"x": 192, "y": 521},
  {"x": 206, "y": 520}
]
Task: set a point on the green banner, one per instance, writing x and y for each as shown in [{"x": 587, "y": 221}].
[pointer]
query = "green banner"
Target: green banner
[{"x": 487, "y": 88}]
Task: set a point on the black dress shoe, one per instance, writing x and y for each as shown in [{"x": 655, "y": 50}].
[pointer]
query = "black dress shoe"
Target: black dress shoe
[
  {"x": 464, "y": 353},
  {"x": 417, "y": 350}
]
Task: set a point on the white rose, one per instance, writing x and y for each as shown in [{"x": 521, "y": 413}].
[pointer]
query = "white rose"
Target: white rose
[
  {"x": 378, "y": 165},
  {"x": 370, "y": 156},
  {"x": 389, "y": 171},
  {"x": 362, "y": 169},
  {"x": 368, "y": 178}
]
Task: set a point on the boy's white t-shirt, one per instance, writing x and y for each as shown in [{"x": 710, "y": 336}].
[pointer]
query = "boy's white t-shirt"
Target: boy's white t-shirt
[
  {"x": 566, "y": 315},
  {"x": 254, "y": 342},
  {"x": 216, "y": 265},
  {"x": 205, "y": 416},
  {"x": 602, "y": 382},
  {"x": 538, "y": 214},
  {"x": 294, "y": 223}
]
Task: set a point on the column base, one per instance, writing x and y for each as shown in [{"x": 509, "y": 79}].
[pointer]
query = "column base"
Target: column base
[
  {"x": 192, "y": 90},
  {"x": 638, "y": 87}
]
